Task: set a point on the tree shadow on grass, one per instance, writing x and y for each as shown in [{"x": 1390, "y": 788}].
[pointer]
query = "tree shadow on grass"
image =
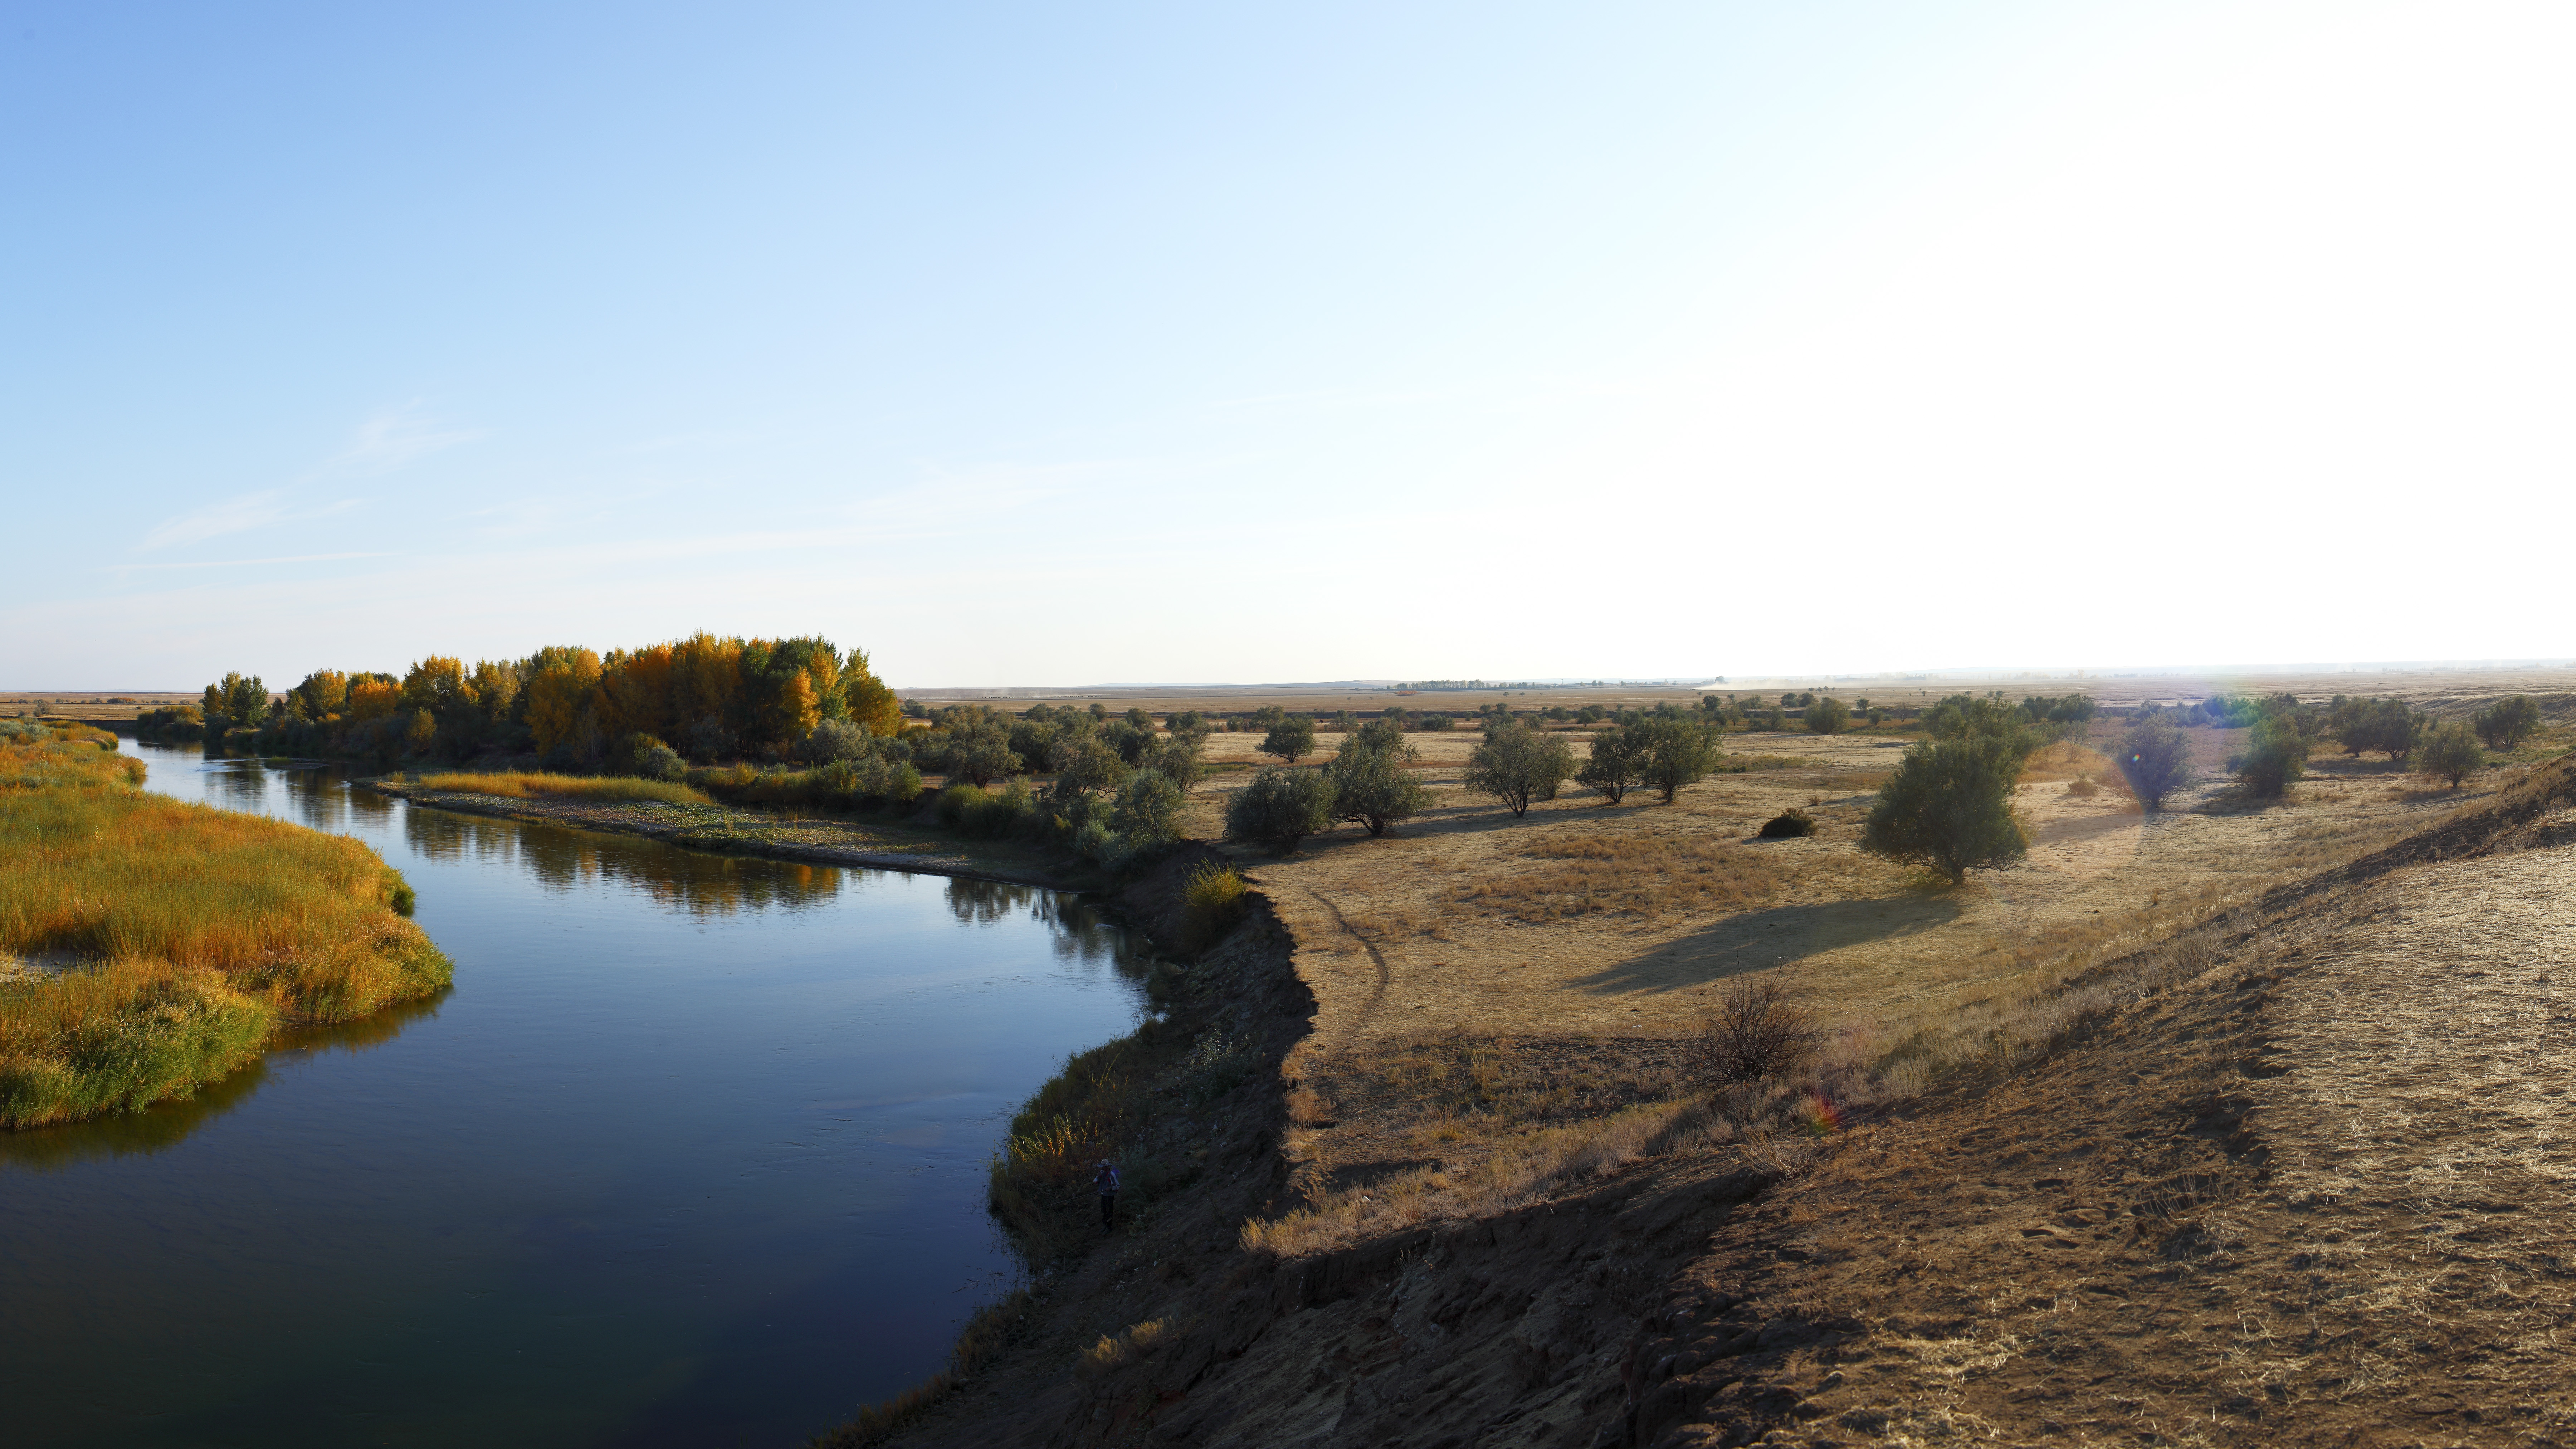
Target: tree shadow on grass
[{"x": 1755, "y": 940}]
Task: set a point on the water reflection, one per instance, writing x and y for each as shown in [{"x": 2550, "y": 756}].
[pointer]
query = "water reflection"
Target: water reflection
[
  {"x": 164, "y": 1125},
  {"x": 1080, "y": 929}
]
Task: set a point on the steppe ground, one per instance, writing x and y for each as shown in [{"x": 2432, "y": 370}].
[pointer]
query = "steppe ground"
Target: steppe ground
[{"x": 1478, "y": 975}]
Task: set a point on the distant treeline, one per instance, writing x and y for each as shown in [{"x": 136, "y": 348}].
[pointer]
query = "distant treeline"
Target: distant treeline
[{"x": 708, "y": 698}]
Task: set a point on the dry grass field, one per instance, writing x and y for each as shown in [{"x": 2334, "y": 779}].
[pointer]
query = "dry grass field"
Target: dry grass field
[{"x": 1481, "y": 978}]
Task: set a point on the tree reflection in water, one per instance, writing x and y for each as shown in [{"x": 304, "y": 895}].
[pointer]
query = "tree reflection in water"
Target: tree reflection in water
[
  {"x": 684, "y": 881},
  {"x": 1081, "y": 929}
]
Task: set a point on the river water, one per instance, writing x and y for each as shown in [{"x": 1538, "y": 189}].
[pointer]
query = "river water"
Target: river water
[{"x": 692, "y": 1153}]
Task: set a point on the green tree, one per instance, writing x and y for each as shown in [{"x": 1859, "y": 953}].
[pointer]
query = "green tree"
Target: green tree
[
  {"x": 1290, "y": 739},
  {"x": 1148, "y": 808},
  {"x": 2155, "y": 758},
  {"x": 2508, "y": 722},
  {"x": 1617, "y": 764},
  {"x": 1371, "y": 786},
  {"x": 1517, "y": 764},
  {"x": 1089, "y": 768},
  {"x": 1949, "y": 806},
  {"x": 1828, "y": 716},
  {"x": 1673, "y": 751},
  {"x": 2276, "y": 755},
  {"x": 2449, "y": 749},
  {"x": 981, "y": 756},
  {"x": 1177, "y": 759},
  {"x": 1281, "y": 807},
  {"x": 2386, "y": 725}
]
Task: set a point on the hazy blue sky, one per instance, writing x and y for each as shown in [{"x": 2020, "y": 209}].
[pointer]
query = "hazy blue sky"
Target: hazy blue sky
[{"x": 1065, "y": 344}]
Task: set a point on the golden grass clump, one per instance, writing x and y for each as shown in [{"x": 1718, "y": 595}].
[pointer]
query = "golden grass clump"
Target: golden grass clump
[
  {"x": 1215, "y": 898},
  {"x": 521, "y": 784},
  {"x": 183, "y": 935},
  {"x": 1640, "y": 875}
]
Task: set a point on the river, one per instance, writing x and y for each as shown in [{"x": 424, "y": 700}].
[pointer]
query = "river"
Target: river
[{"x": 693, "y": 1152}]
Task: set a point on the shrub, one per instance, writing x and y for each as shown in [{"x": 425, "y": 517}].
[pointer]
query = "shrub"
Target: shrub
[
  {"x": 2450, "y": 749},
  {"x": 1280, "y": 807},
  {"x": 1617, "y": 764},
  {"x": 1435, "y": 721},
  {"x": 835, "y": 739},
  {"x": 1758, "y": 1030},
  {"x": 2082, "y": 787},
  {"x": 1517, "y": 764},
  {"x": 1949, "y": 806},
  {"x": 2275, "y": 756},
  {"x": 1215, "y": 898},
  {"x": 1828, "y": 716},
  {"x": 1371, "y": 786},
  {"x": 1788, "y": 825},
  {"x": 1291, "y": 739},
  {"x": 2155, "y": 758},
  {"x": 644, "y": 758},
  {"x": 1148, "y": 809},
  {"x": 2508, "y": 722}
]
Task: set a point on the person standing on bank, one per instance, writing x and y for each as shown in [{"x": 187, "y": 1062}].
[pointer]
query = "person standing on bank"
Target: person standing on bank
[{"x": 1105, "y": 1182}]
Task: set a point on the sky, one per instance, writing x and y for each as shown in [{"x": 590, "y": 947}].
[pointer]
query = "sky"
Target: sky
[{"x": 1032, "y": 345}]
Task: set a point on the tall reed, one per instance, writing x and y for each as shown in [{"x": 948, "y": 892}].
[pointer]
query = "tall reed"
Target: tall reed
[{"x": 172, "y": 939}]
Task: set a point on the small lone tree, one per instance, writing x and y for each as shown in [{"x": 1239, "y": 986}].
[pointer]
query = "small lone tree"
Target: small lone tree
[
  {"x": 1828, "y": 716},
  {"x": 1949, "y": 806},
  {"x": 1281, "y": 807},
  {"x": 1673, "y": 752},
  {"x": 1617, "y": 764},
  {"x": 1291, "y": 739},
  {"x": 1371, "y": 786},
  {"x": 2155, "y": 758},
  {"x": 2276, "y": 755},
  {"x": 2449, "y": 749},
  {"x": 1517, "y": 764}
]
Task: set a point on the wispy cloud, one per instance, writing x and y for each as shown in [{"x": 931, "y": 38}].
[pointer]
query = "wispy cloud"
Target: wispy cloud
[
  {"x": 235, "y": 515},
  {"x": 394, "y": 438},
  {"x": 234, "y": 563}
]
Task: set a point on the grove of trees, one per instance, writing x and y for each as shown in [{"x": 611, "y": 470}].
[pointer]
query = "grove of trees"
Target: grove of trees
[{"x": 706, "y": 697}]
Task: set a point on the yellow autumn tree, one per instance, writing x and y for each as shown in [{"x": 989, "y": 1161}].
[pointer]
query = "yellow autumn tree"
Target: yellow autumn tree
[
  {"x": 371, "y": 699},
  {"x": 871, "y": 702},
  {"x": 559, "y": 694},
  {"x": 437, "y": 684}
]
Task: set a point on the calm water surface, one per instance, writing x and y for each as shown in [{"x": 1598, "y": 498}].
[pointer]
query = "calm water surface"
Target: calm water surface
[{"x": 693, "y": 1153}]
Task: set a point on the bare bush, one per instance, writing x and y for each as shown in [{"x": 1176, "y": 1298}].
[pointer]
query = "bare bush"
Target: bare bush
[{"x": 1758, "y": 1030}]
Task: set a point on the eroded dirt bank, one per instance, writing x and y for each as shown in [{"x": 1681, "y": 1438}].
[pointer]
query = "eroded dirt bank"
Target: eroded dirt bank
[{"x": 2304, "y": 1179}]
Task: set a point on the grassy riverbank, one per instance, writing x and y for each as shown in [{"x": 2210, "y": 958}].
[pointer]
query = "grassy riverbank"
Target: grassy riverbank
[
  {"x": 149, "y": 946},
  {"x": 691, "y": 821}
]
